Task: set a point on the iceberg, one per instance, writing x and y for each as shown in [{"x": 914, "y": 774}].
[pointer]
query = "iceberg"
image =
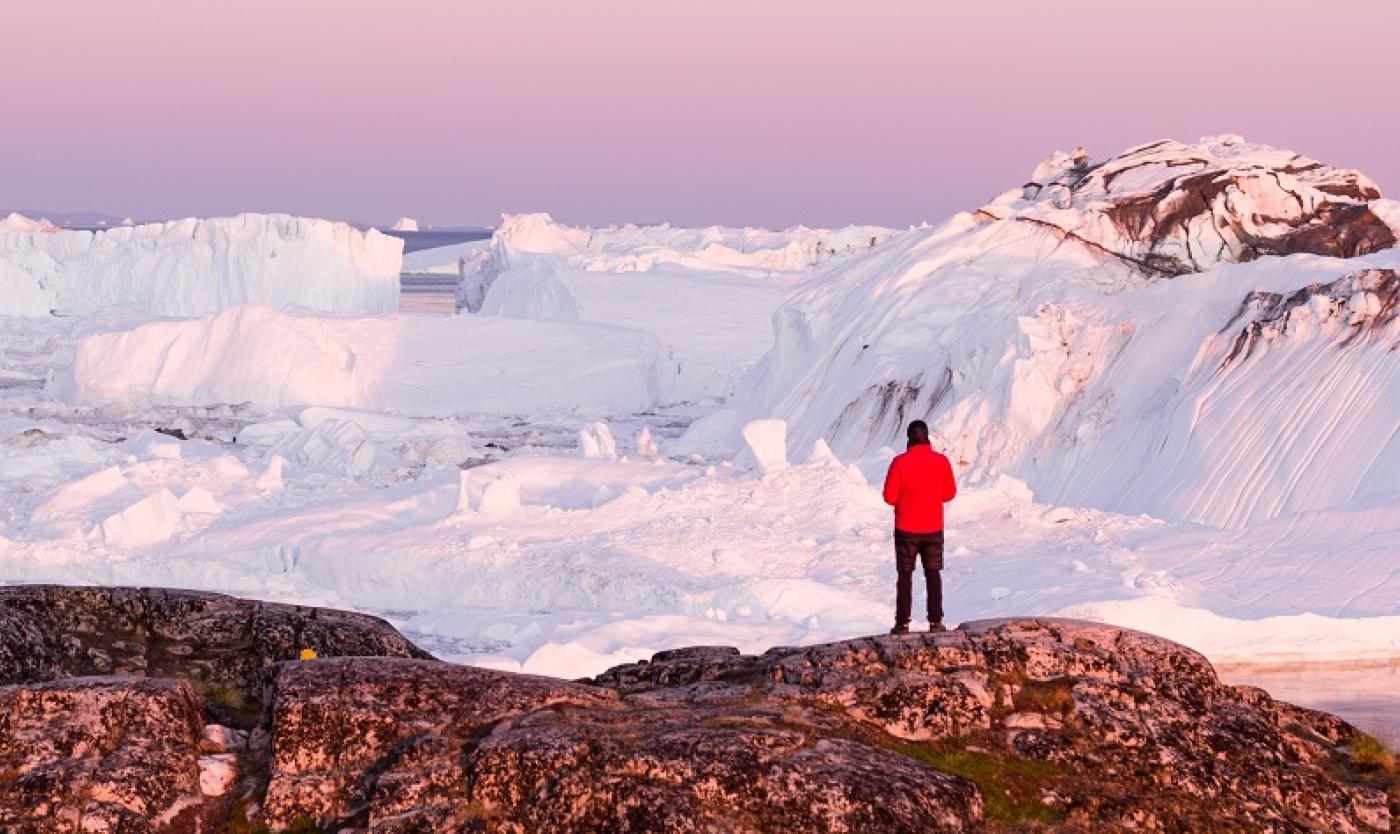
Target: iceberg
[
  {"x": 1199, "y": 332},
  {"x": 191, "y": 267},
  {"x": 408, "y": 365}
]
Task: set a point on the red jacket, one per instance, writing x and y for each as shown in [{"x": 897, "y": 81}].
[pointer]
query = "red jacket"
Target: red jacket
[{"x": 918, "y": 483}]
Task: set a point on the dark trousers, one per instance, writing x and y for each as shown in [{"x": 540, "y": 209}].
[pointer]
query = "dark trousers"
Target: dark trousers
[{"x": 928, "y": 549}]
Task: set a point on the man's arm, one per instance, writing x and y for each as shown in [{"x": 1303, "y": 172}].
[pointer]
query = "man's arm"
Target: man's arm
[
  {"x": 950, "y": 484},
  {"x": 892, "y": 483}
]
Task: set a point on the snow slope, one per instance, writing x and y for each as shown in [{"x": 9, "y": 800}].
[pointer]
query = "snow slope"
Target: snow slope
[
  {"x": 1235, "y": 395},
  {"x": 417, "y": 365},
  {"x": 191, "y": 267}
]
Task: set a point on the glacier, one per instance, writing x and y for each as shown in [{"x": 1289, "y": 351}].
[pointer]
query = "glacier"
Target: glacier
[{"x": 190, "y": 267}]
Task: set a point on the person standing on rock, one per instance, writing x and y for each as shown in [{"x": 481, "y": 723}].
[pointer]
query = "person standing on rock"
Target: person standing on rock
[{"x": 919, "y": 483}]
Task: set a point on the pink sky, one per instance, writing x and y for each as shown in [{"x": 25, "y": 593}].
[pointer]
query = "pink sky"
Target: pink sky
[{"x": 766, "y": 112}]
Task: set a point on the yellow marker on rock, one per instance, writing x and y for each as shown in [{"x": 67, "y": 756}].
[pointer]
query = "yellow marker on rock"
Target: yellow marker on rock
[{"x": 308, "y": 654}]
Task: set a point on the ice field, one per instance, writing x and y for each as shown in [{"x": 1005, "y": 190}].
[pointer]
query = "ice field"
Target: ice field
[{"x": 1190, "y": 427}]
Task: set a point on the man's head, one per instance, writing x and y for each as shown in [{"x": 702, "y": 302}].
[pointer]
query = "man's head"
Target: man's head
[{"x": 918, "y": 433}]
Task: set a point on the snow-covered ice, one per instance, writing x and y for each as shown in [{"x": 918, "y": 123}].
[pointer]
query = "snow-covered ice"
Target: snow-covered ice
[
  {"x": 565, "y": 565},
  {"x": 196, "y": 266},
  {"x": 596, "y": 441},
  {"x": 445, "y": 260},
  {"x": 766, "y": 445},
  {"x": 643, "y": 248},
  {"x": 706, "y": 294},
  {"x": 416, "y": 365},
  {"x": 1214, "y": 396},
  {"x": 15, "y": 222}
]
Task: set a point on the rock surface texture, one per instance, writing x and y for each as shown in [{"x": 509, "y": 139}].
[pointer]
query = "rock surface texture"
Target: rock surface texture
[
  {"x": 1001, "y": 725},
  {"x": 105, "y": 694},
  {"x": 1008, "y": 725},
  {"x": 221, "y": 644},
  {"x": 100, "y": 754}
]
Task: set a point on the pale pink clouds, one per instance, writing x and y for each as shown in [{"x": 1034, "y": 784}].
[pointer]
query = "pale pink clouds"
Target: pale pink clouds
[{"x": 763, "y": 111}]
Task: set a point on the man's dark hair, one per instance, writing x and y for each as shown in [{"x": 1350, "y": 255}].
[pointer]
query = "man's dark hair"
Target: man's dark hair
[{"x": 918, "y": 433}]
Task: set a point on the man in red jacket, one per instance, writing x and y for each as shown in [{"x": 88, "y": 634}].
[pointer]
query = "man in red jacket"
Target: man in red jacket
[{"x": 919, "y": 482}]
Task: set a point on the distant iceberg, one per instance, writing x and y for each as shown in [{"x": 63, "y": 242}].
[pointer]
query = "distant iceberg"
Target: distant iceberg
[{"x": 192, "y": 267}]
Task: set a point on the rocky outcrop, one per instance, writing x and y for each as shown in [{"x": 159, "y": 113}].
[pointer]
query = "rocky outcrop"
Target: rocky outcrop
[
  {"x": 378, "y": 738},
  {"x": 409, "y": 746},
  {"x": 1001, "y": 724},
  {"x": 1087, "y": 726},
  {"x": 100, "y": 754},
  {"x": 221, "y": 644},
  {"x": 103, "y": 721},
  {"x": 1009, "y": 725},
  {"x": 1169, "y": 208}
]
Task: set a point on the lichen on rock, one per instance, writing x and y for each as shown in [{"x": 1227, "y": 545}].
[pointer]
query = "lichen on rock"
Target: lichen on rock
[{"x": 1001, "y": 725}]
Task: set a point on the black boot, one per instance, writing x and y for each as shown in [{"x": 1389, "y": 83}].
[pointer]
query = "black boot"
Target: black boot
[
  {"x": 936, "y": 627},
  {"x": 900, "y": 629}
]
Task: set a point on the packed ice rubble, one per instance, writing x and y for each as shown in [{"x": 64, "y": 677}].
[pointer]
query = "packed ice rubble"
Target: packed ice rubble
[
  {"x": 1054, "y": 336},
  {"x": 569, "y": 564},
  {"x": 642, "y": 248},
  {"x": 196, "y": 266},
  {"x": 706, "y": 294}
]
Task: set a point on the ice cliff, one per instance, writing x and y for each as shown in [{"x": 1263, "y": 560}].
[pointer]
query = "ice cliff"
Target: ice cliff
[{"x": 196, "y": 266}]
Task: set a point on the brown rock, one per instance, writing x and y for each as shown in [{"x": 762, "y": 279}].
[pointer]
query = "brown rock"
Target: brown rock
[
  {"x": 399, "y": 746},
  {"x": 1168, "y": 208},
  {"x": 339, "y": 726},
  {"x": 99, "y": 754},
  {"x": 720, "y": 769},
  {"x": 1002, "y": 725},
  {"x": 1139, "y": 732},
  {"x": 222, "y": 644}
]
